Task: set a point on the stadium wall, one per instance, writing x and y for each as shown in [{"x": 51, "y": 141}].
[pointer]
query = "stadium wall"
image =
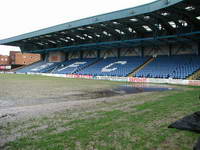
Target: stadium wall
[
  {"x": 74, "y": 55},
  {"x": 57, "y": 56},
  {"x": 153, "y": 50},
  {"x": 125, "y": 79},
  {"x": 90, "y": 54},
  {"x": 25, "y": 58}
]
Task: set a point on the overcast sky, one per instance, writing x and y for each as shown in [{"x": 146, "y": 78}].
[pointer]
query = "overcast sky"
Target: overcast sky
[{"x": 22, "y": 16}]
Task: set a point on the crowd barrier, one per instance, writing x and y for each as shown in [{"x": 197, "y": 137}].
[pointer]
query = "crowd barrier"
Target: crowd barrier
[
  {"x": 5, "y": 67},
  {"x": 126, "y": 79},
  {"x": 132, "y": 79}
]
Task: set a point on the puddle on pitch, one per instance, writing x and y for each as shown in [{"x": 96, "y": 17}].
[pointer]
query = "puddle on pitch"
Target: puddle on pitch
[
  {"x": 123, "y": 90},
  {"x": 140, "y": 88},
  {"x": 119, "y": 90}
]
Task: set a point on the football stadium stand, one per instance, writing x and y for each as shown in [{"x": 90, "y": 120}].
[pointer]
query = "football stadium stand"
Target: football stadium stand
[
  {"x": 178, "y": 67},
  {"x": 39, "y": 67},
  {"x": 74, "y": 65},
  {"x": 114, "y": 66},
  {"x": 195, "y": 75},
  {"x": 28, "y": 68},
  {"x": 156, "y": 40}
]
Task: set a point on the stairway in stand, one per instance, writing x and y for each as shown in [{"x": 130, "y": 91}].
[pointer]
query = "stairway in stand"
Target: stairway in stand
[
  {"x": 194, "y": 76},
  {"x": 141, "y": 67}
]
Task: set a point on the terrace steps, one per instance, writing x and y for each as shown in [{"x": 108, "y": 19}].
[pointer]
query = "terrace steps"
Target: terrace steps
[
  {"x": 54, "y": 69},
  {"x": 141, "y": 67},
  {"x": 194, "y": 76}
]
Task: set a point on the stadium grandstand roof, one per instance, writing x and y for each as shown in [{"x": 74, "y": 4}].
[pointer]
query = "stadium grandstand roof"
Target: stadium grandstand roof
[{"x": 162, "y": 21}]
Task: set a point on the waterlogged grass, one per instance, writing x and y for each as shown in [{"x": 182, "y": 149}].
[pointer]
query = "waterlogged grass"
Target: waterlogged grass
[
  {"x": 37, "y": 81},
  {"x": 31, "y": 78},
  {"x": 141, "y": 127}
]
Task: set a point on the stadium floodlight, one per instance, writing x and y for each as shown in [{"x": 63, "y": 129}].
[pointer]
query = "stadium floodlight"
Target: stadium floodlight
[
  {"x": 116, "y": 22},
  {"x": 89, "y": 27},
  {"x": 52, "y": 41},
  {"x": 183, "y": 23},
  {"x": 81, "y": 29},
  {"x": 131, "y": 30},
  {"x": 105, "y": 33},
  {"x": 133, "y": 20},
  {"x": 117, "y": 30},
  {"x": 159, "y": 26},
  {"x": 90, "y": 37},
  {"x": 146, "y": 17},
  {"x": 172, "y": 24},
  {"x": 147, "y": 28},
  {"x": 97, "y": 35},
  {"x": 62, "y": 32},
  {"x": 165, "y": 13},
  {"x": 40, "y": 43},
  {"x": 47, "y": 35},
  {"x": 198, "y": 17},
  {"x": 80, "y": 37},
  {"x": 190, "y": 8}
]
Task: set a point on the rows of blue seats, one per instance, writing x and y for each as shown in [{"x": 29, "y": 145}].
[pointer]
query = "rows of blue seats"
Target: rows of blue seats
[
  {"x": 74, "y": 65},
  {"x": 41, "y": 67},
  {"x": 46, "y": 68},
  {"x": 114, "y": 66},
  {"x": 30, "y": 67},
  {"x": 177, "y": 67},
  {"x": 67, "y": 67}
]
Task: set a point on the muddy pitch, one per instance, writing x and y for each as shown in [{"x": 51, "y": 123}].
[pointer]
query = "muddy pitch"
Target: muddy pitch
[
  {"x": 25, "y": 98},
  {"x": 25, "y": 106}
]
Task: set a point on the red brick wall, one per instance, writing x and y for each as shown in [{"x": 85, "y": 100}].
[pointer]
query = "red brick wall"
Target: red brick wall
[
  {"x": 56, "y": 57},
  {"x": 26, "y": 59},
  {"x": 18, "y": 58},
  {"x": 4, "y": 60}
]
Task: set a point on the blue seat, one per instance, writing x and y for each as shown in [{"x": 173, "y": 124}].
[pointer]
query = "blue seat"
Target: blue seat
[
  {"x": 177, "y": 67},
  {"x": 114, "y": 66},
  {"x": 74, "y": 65}
]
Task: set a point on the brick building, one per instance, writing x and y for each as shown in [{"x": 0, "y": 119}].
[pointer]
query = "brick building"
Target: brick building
[
  {"x": 4, "y": 60},
  {"x": 18, "y": 58}
]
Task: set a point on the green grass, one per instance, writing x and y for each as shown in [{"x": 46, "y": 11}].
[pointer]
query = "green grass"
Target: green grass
[
  {"x": 145, "y": 128},
  {"x": 117, "y": 125},
  {"x": 54, "y": 81}
]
